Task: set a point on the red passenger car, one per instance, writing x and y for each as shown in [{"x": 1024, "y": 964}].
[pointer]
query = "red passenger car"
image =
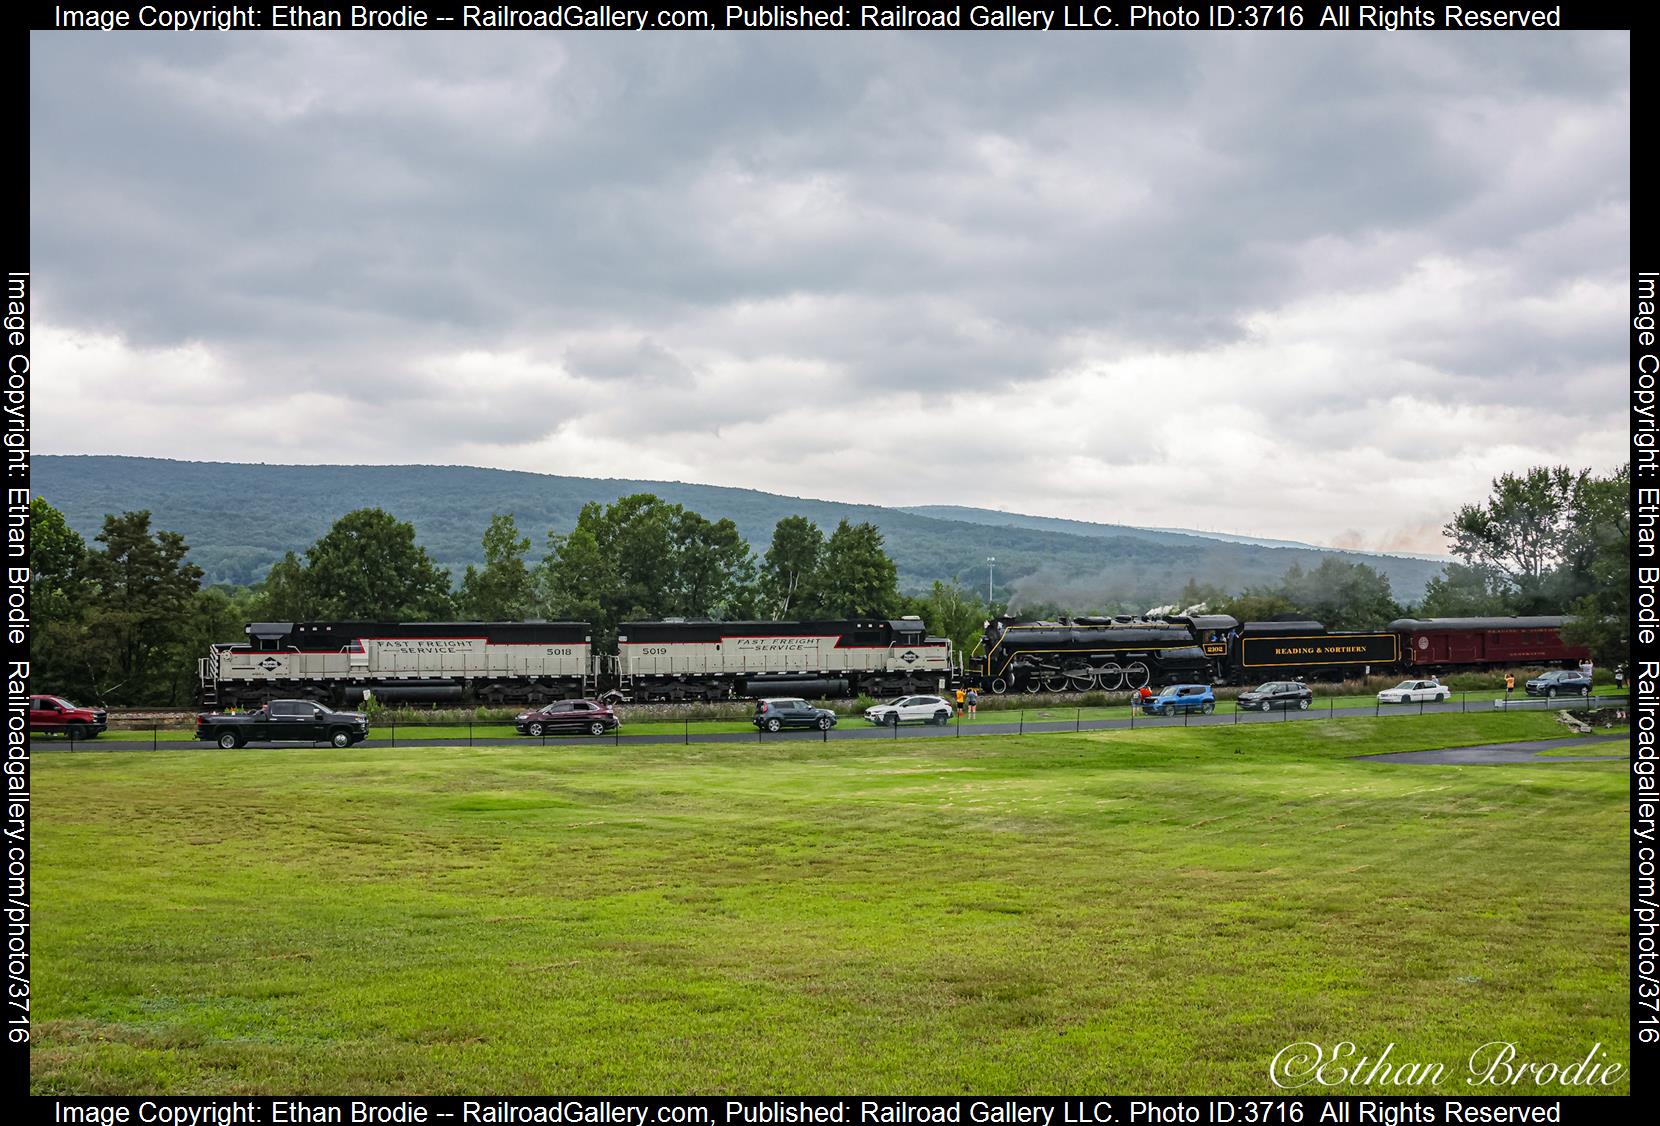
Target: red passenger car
[{"x": 1438, "y": 643}]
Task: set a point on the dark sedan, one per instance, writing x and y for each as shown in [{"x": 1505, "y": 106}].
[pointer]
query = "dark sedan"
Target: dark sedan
[
  {"x": 586, "y": 716},
  {"x": 1562, "y": 682},
  {"x": 1278, "y": 694}
]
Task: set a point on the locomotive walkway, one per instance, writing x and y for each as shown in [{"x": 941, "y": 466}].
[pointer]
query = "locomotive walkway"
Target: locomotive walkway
[{"x": 1034, "y": 721}]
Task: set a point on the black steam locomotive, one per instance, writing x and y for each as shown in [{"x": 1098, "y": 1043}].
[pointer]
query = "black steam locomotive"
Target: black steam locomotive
[{"x": 1079, "y": 654}]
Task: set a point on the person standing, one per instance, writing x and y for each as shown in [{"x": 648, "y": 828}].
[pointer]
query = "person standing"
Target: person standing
[
  {"x": 961, "y": 696},
  {"x": 1509, "y": 685},
  {"x": 973, "y": 700}
]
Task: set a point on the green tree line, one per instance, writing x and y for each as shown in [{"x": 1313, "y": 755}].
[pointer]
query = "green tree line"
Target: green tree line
[
  {"x": 123, "y": 619},
  {"x": 1551, "y": 540}
]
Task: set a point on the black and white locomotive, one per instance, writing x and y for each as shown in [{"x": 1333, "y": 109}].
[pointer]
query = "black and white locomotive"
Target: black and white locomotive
[{"x": 535, "y": 662}]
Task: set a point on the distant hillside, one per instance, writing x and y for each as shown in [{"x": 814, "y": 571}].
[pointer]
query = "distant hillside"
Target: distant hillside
[
  {"x": 1160, "y": 535},
  {"x": 240, "y": 518}
]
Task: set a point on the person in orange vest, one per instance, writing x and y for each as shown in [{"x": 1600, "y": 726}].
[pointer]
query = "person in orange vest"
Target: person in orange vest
[
  {"x": 960, "y": 697},
  {"x": 1509, "y": 684}
]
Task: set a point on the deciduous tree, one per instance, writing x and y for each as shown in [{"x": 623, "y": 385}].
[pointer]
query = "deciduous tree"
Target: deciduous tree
[
  {"x": 368, "y": 567},
  {"x": 503, "y": 590}
]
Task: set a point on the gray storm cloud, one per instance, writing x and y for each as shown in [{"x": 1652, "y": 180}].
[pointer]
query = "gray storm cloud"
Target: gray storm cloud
[{"x": 1072, "y": 273}]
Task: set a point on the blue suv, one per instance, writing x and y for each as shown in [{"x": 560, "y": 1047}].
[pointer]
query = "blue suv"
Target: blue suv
[{"x": 1180, "y": 699}]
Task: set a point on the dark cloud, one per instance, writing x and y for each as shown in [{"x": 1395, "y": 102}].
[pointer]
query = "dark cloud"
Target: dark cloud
[{"x": 651, "y": 241}]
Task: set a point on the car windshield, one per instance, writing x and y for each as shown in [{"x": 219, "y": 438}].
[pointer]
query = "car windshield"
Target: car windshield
[
  {"x": 896, "y": 701},
  {"x": 1169, "y": 692}
]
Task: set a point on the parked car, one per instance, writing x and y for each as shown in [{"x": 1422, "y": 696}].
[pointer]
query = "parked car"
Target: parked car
[
  {"x": 773, "y": 714},
  {"x": 283, "y": 721},
  {"x": 1278, "y": 694},
  {"x": 1414, "y": 691},
  {"x": 1562, "y": 682},
  {"x": 589, "y": 716},
  {"x": 57, "y": 716},
  {"x": 911, "y": 709},
  {"x": 1180, "y": 699}
]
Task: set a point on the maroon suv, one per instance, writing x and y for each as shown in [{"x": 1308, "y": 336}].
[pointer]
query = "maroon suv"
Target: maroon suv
[
  {"x": 587, "y": 716},
  {"x": 57, "y": 716}
]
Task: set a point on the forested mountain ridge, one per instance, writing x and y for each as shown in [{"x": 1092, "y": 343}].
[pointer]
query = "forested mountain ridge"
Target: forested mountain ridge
[{"x": 240, "y": 518}]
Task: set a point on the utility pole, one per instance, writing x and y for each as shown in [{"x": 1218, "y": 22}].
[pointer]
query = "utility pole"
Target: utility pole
[{"x": 991, "y": 561}]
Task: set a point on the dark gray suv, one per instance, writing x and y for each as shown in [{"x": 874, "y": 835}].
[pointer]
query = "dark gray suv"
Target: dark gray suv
[
  {"x": 776, "y": 714},
  {"x": 1277, "y": 694}
]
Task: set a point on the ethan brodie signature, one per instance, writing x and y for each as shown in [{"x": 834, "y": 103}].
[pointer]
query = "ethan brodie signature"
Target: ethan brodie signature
[{"x": 1497, "y": 1063}]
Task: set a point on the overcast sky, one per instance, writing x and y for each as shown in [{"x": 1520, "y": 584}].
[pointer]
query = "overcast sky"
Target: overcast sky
[{"x": 1321, "y": 287}]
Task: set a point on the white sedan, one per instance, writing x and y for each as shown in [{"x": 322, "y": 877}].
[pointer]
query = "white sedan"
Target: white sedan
[
  {"x": 1412, "y": 691},
  {"x": 911, "y": 709}
]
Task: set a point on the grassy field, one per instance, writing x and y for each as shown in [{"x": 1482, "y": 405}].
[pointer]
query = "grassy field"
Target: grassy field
[{"x": 1160, "y": 911}]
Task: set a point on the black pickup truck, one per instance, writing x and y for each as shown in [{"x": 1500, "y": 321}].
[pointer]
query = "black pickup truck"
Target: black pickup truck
[{"x": 284, "y": 721}]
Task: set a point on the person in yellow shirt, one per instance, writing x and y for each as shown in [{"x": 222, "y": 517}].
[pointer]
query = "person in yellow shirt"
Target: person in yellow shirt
[
  {"x": 960, "y": 697},
  {"x": 1509, "y": 684}
]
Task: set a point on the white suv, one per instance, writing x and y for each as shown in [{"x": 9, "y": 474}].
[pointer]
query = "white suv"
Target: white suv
[{"x": 911, "y": 709}]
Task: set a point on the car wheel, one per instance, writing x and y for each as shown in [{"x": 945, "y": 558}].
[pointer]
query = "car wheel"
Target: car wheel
[
  {"x": 1550, "y": 693},
  {"x": 535, "y": 729},
  {"x": 229, "y": 741},
  {"x": 75, "y": 732},
  {"x": 1266, "y": 706},
  {"x": 341, "y": 738},
  {"x": 893, "y": 719},
  {"x": 596, "y": 728},
  {"x": 824, "y": 722},
  {"x": 773, "y": 725},
  {"x": 942, "y": 718},
  {"x": 1586, "y": 691},
  {"x": 1208, "y": 708},
  {"x": 1302, "y": 705}
]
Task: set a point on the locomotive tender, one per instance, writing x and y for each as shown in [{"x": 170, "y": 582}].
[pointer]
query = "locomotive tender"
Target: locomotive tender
[{"x": 535, "y": 662}]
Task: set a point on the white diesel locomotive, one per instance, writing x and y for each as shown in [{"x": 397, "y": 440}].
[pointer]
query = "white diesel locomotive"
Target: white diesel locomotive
[{"x": 534, "y": 662}]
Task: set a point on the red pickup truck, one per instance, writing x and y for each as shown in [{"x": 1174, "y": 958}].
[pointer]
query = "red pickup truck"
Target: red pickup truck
[{"x": 56, "y": 716}]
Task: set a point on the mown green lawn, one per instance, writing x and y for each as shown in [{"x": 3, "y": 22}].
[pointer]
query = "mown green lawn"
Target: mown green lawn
[{"x": 1160, "y": 911}]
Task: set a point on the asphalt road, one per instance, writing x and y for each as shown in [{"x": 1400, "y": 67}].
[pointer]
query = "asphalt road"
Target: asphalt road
[
  {"x": 1035, "y": 721},
  {"x": 1506, "y": 754}
]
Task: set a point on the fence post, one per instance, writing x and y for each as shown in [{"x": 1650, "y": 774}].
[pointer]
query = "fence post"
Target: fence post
[
  {"x": 155, "y": 734},
  {"x": 1236, "y": 713},
  {"x": 1022, "y": 721},
  {"x": 469, "y": 731},
  {"x": 1078, "y": 724},
  {"x": 686, "y": 721},
  {"x": 1463, "y": 701},
  {"x": 1331, "y": 708}
]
